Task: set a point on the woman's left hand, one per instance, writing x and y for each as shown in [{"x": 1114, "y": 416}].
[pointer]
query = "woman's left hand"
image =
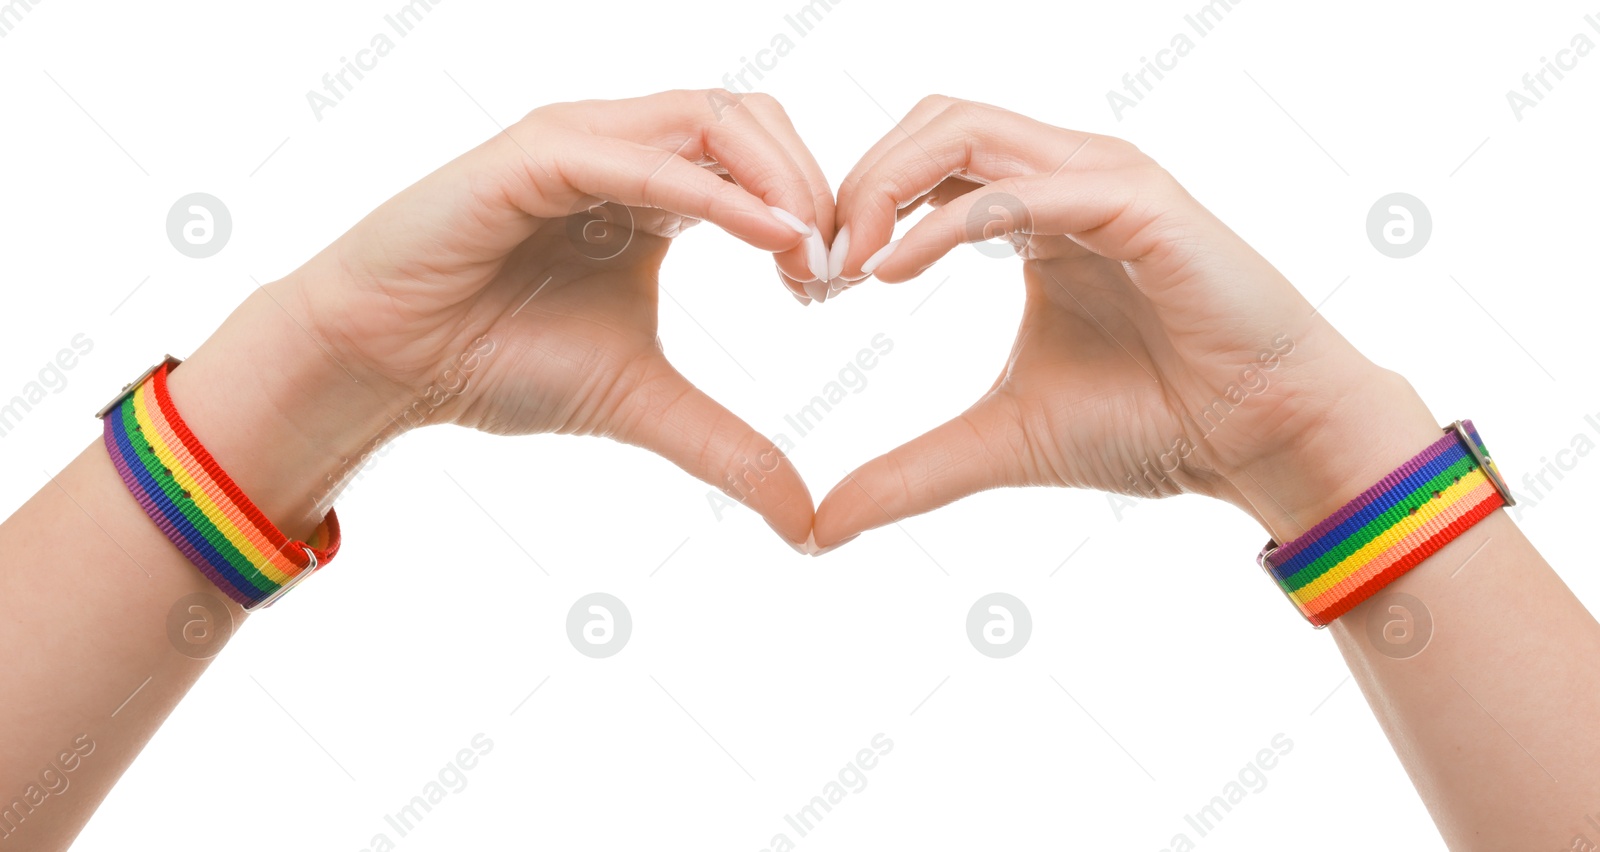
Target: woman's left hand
[{"x": 500, "y": 293}]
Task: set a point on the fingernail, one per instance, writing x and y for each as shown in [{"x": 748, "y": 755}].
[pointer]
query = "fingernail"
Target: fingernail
[
  {"x": 878, "y": 257},
  {"x": 817, "y": 290},
  {"x": 836, "y": 254},
  {"x": 800, "y": 549},
  {"x": 816, "y": 255},
  {"x": 836, "y": 545},
  {"x": 802, "y": 298},
  {"x": 790, "y": 219}
]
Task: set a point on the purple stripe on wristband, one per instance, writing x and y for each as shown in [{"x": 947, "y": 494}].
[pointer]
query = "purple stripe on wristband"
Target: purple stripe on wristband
[
  {"x": 137, "y": 491},
  {"x": 1328, "y": 524}
]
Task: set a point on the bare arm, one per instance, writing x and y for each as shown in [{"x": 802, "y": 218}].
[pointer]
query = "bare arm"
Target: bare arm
[
  {"x": 108, "y": 623},
  {"x": 1480, "y": 664},
  {"x": 1497, "y": 719}
]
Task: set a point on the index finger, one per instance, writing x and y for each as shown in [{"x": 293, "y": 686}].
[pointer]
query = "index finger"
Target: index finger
[
  {"x": 745, "y": 135},
  {"x": 948, "y": 138}
]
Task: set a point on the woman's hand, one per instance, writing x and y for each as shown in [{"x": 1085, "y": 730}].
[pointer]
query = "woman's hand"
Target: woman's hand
[
  {"x": 500, "y": 293},
  {"x": 1158, "y": 352}
]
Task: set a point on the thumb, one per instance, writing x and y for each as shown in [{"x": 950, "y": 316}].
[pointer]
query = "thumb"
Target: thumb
[
  {"x": 976, "y": 451},
  {"x": 669, "y": 416}
]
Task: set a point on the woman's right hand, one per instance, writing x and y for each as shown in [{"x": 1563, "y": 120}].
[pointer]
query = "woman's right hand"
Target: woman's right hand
[{"x": 1158, "y": 353}]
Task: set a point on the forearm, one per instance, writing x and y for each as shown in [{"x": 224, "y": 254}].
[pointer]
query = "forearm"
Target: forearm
[
  {"x": 86, "y": 588},
  {"x": 1494, "y": 717},
  {"x": 108, "y": 622},
  {"x": 1479, "y": 663}
]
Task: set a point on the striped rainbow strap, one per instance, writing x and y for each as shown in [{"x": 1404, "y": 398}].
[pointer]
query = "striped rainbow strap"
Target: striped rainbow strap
[
  {"x": 1390, "y": 528},
  {"x": 188, "y": 495}
]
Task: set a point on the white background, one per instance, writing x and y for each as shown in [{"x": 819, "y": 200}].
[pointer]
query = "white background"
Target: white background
[{"x": 754, "y": 674}]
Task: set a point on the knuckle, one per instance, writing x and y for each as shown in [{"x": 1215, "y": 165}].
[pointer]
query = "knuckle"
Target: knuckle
[
  {"x": 879, "y": 192},
  {"x": 896, "y": 179},
  {"x": 548, "y": 114},
  {"x": 1158, "y": 183},
  {"x": 978, "y": 114},
  {"x": 1126, "y": 148},
  {"x": 763, "y": 100},
  {"x": 717, "y": 100},
  {"x": 850, "y": 185},
  {"x": 1120, "y": 151},
  {"x": 967, "y": 112}
]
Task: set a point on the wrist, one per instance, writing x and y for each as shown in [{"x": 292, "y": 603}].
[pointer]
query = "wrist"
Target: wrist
[
  {"x": 1334, "y": 452},
  {"x": 286, "y": 418}
]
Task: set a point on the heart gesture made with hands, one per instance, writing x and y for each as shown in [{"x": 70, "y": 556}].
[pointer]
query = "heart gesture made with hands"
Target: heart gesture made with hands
[{"x": 1142, "y": 312}]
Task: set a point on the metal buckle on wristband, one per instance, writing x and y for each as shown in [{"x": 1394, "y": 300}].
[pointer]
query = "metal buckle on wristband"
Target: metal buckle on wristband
[
  {"x": 269, "y": 600},
  {"x": 1261, "y": 559},
  {"x": 134, "y": 385},
  {"x": 1484, "y": 462}
]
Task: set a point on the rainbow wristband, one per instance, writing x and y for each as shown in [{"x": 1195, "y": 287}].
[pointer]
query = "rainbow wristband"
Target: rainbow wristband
[
  {"x": 188, "y": 495},
  {"x": 1390, "y": 528}
]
